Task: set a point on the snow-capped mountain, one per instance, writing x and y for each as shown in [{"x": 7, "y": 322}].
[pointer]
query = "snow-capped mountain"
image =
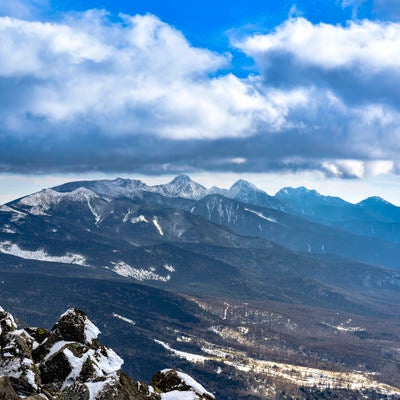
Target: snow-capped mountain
[
  {"x": 109, "y": 189},
  {"x": 246, "y": 192},
  {"x": 181, "y": 211},
  {"x": 182, "y": 186}
]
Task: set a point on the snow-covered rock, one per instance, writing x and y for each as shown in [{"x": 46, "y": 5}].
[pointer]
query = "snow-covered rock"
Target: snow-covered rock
[
  {"x": 178, "y": 385},
  {"x": 68, "y": 362},
  {"x": 74, "y": 325}
]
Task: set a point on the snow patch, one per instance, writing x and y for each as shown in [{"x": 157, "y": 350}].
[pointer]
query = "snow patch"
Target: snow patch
[
  {"x": 139, "y": 219},
  {"x": 76, "y": 364},
  {"x": 91, "y": 331},
  {"x": 128, "y": 217},
  {"x": 57, "y": 347},
  {"x": 178, "y": 395},
  {"x": 8, "y": 229},
  {"x": 95, "y": 388},
  {"x": 188, "y": 380},
  {"x": 169, "y": 268},
  {"x": 344, "y": 327},
  {"x": 125, "y": 319},
  {"x": 194, "y": 358},
  {"x": 140, "y": 274},
  {"x": 40, "y": 255},
  {"x": 105, "y": 362},
  {"x": 108, "y": 361}
]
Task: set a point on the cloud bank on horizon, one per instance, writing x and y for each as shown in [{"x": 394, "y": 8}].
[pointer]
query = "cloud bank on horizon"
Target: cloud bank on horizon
[{"x": 94, "y": 92}]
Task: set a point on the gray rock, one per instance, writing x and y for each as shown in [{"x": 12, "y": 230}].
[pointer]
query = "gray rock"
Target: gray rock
[
  {"x": 68, "y": 363},
  {"x": 7, "y": 391}
]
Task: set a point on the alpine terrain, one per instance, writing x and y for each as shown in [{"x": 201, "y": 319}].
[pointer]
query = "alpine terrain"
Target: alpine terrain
[
  {"x": 292, "y": 296},
  {"x": 69, "y": 363}
]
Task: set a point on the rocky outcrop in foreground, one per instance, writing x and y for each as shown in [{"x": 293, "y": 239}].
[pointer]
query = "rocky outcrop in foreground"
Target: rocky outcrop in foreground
[{"x": 68, "y": 363}]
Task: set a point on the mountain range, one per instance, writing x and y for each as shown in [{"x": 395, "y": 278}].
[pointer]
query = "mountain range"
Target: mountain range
[{"x": 222, "y": 269}]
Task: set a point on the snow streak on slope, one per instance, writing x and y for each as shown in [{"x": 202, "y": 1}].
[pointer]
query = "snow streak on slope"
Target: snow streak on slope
[
  {"x": 158, "y": 226},
  {"x": 125, "y": 319},
  {"x": 17, "y": 215},
  {"x": 194, "y": 358},
  {"x": 8, "y": 229},
  {"x": 8, "y": 209},
  {"x": 273, "y": 220},
  {"x": 40, "y": 255}
]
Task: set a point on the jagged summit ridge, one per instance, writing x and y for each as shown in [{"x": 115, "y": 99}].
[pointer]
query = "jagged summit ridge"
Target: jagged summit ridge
[
  {"x": 181, "y": 186},
  {"x": 68, "y": 362},
  {"x": 242, "y": 184}
]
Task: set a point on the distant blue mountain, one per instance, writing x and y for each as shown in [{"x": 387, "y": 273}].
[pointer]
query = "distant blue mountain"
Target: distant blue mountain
[{"x": 373, "y": 217}]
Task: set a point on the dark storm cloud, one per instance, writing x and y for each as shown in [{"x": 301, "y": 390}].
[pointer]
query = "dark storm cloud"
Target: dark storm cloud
[
  {"x": 95, "y": 151},
  {"x": 351, "y": 83}
]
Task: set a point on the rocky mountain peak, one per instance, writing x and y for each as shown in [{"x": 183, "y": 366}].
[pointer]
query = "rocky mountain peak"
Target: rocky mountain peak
[
  {"x": 242, "y": 184},
  {"x": 183, "y": 186},
  {"x": 75, "y": 326},
  {"x": 69, "y": 363},
  {"x": 181, "y": 179}
]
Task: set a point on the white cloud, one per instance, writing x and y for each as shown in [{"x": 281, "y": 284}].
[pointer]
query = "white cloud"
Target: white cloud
[
  {"x": 133, "y": 77},
  {"x": 367, "y": 45},
  {"x": 345, "y": 168},
  {"x": 357, "y": 168}
]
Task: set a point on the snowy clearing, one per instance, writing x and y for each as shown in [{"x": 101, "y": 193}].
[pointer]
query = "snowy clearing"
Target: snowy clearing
[
  {"x": 140, "y": 274},
  {"x": 40, "y": 255}
]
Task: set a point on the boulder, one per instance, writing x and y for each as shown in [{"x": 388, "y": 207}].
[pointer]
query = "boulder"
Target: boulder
[
  {"x": 75, "y": 326},
  {"x": 174, "y": 383}
]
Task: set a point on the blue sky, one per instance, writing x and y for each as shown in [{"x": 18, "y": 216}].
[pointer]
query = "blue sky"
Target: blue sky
[{"x": 278, "y": 92}]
